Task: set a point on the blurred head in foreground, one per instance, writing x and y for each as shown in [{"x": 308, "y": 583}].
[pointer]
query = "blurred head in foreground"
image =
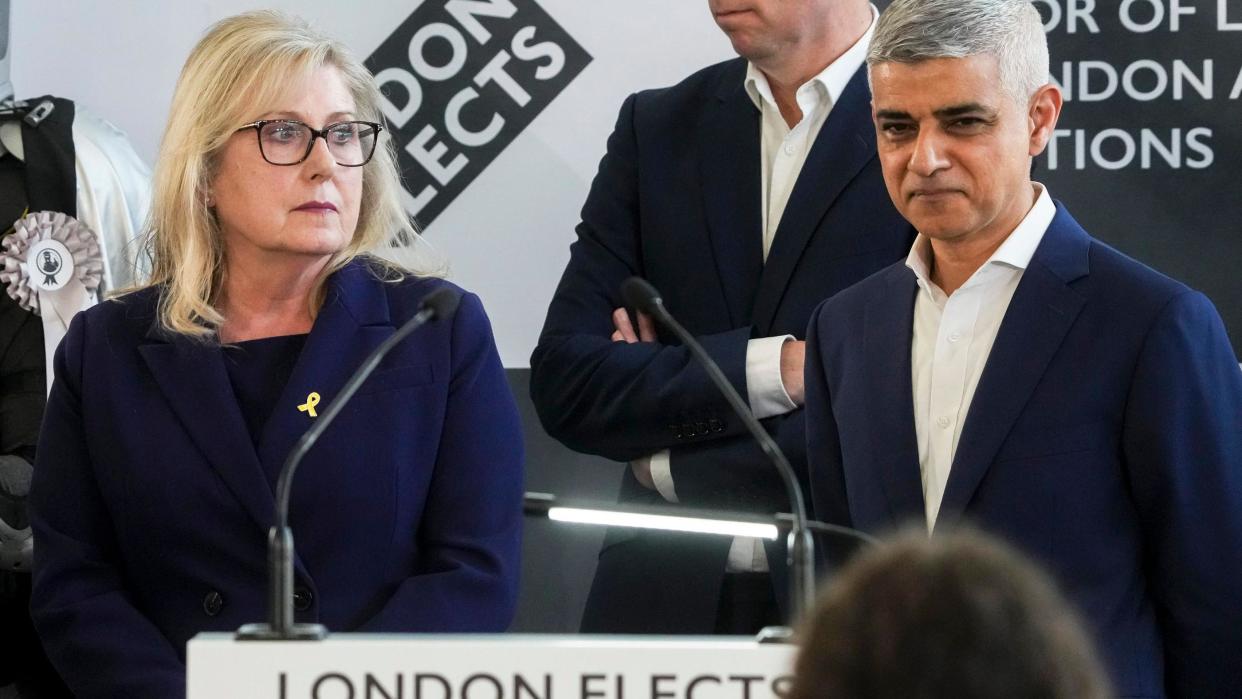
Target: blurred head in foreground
[{"x": 959, "y": 616}]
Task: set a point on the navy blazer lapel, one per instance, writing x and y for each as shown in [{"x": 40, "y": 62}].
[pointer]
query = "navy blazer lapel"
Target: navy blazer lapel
[
  {"x": 729, "y": 169},
  {"x": 192, "y": 376},
  {"x": 846, "y": 143},
  {"x": 887, "y": 335},
  {"x": 353, "y": 321},
  {"x": 1040, "y": 314}
]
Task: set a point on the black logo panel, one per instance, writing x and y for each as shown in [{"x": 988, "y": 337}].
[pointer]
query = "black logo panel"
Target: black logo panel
[{"x": 461, "y": 80}]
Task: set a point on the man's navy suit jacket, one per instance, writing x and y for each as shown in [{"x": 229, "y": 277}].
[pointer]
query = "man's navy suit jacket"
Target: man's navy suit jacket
[
  {"x": 677, "y": 200},
  {"x": 1104, "y": 440},
  {"x": 151, "y": 506}
]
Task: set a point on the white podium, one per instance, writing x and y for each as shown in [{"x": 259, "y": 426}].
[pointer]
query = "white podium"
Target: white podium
[{"x": 360, "y": 666}]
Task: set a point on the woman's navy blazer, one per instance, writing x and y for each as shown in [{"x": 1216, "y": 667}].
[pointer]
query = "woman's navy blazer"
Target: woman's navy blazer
[{"x": 151, "y": 506}]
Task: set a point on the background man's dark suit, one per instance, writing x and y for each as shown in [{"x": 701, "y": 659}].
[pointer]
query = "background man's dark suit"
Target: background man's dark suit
[
  {"x": 1104, "y": 439},
  {"x": 677, "y": 200}
]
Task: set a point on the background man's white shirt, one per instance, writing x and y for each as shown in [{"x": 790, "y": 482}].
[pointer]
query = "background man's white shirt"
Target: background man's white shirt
[{"x": 783, "y": 152}]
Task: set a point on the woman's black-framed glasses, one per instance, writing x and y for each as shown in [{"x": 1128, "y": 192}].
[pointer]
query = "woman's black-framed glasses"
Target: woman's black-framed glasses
[{"x": 289, "y": 142}]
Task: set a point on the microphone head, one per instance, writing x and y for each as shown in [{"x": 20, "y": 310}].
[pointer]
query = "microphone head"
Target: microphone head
[
  {"x": 442, "y": 303},
  {"x": 641, "y": 295}
]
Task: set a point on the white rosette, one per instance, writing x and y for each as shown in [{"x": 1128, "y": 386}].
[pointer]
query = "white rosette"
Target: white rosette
[
  {"x": 85, "y": 263},
  {"x": 52, "y": 266}
]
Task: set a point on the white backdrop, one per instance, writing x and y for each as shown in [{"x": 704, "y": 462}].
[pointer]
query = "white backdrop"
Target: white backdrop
[{"x": 507, "y": 235}]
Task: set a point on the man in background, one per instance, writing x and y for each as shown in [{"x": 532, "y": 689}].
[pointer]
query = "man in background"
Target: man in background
[{"x": 746, "y": 194}]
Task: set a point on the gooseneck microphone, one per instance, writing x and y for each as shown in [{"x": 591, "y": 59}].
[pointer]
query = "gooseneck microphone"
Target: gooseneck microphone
[
  {"x": 643, "y": 297},
  {"x": 437, "y": 305}
]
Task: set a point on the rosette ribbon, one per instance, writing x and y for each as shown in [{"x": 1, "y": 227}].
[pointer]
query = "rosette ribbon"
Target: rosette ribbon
[{"x": 52, "y": 266}]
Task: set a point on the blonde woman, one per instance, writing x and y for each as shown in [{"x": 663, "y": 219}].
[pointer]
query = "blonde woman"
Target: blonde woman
[{"x": 175, "y": 405}]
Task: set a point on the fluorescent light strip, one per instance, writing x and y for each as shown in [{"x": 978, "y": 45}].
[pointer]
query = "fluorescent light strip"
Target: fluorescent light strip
[{"x": 663, "y": 522}]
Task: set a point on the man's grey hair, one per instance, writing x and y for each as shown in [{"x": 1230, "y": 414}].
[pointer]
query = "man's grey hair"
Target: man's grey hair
[{"x": 911, "y": 31}]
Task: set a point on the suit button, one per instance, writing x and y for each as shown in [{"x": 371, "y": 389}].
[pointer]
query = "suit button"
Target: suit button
[
  {"x": 702, "y": 427},
  {"x": 213, "y": 602},
  {"x": 676, "y": 430},
  {"x": 302, "y": 598},
  {"x": 716, "y": 425},
  {"x": 688, "y": 430}
]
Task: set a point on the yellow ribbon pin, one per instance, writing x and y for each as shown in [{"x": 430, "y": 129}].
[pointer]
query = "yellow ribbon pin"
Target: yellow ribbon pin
[{"x": 309, "y": 406}]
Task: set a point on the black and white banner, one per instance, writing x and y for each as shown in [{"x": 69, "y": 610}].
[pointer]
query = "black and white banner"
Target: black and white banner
[
  {"x": 1148, "y": 153},
  {"x": 462, "y": 79}
]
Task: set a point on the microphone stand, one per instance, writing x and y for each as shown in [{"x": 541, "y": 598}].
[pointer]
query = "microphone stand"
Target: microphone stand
[
  {"x": 280, "y": 626},
  {"x": 639, "y": 294}
]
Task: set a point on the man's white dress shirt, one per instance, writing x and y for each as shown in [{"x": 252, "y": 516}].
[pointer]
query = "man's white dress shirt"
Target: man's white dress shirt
[{"x": 953, "y": 336}]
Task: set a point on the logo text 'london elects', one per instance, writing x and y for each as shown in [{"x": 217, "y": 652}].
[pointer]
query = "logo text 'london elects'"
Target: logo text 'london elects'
[{"x": 461, "y": 79}]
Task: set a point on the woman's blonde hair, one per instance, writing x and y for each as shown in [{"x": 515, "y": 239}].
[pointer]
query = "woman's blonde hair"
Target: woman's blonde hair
[{"x": 239, "y": 70}]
